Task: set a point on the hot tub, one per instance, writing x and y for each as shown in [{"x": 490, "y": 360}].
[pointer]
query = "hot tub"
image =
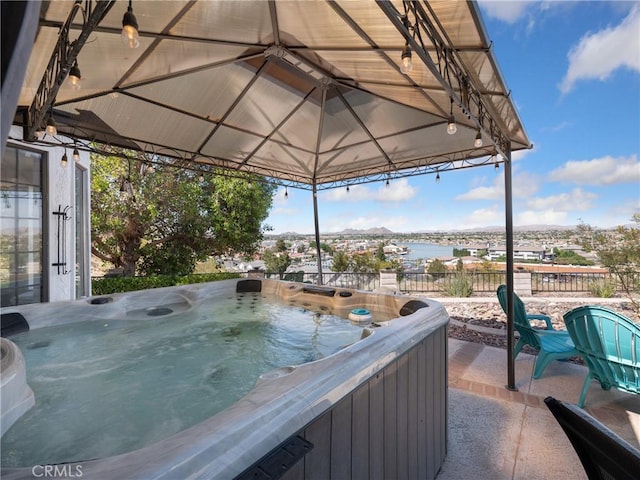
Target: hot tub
[
  {"x": 376, "y": 408},
  {"x": 16, "y": 396}
]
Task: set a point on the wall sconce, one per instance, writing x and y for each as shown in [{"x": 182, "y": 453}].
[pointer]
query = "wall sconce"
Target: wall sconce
[
  {"x": 75, "y": 76},
  {"x": 478, "y": 141},
  {"x": 130, "y": 28}
]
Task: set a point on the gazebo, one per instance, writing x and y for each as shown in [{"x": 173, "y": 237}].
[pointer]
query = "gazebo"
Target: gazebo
[{"x": 312, "y": 94}]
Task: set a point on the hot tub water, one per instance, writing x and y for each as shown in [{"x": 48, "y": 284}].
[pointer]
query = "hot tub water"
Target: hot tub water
[{"x": 109, "y": 386}]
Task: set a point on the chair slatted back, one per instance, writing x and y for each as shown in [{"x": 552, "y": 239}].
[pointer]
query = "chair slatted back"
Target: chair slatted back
[
  {"x": 521, "y": 322},
  {"x": 609, "y": 344}
]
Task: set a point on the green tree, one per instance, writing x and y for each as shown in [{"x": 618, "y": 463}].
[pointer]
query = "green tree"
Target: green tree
[
  {"x": 340, "y": 262},
  {"x": 324, "y": 247},
  {"x": 365, "y": 263},
  {"x": 569, "y": 257},
  {"x": 436, "y": 268},
  {"x": 281, "y": 246},
  {"x": 619, "y": 252},
  {"x": 276, "y": 262},
  {"x": 380, "y": 252},
  {"x": 164, "y": 220}
]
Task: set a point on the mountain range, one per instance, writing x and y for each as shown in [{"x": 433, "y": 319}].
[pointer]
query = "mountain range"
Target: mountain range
[{"x": 386, "y": 231}]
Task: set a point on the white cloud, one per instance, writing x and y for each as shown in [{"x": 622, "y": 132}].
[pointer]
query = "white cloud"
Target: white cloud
[
  {"x": 398, "y": 190},
  {"x": 576, "y": 200},
  {"x": 599, "y": 54},
  {"x": 534, "y": 217},
  {"x": 339, "y": 223},
  {"x": 507, "y": 11},
  {"x": 599, "y": 171},
  {"x": 483, "y": 217},
  {"x": 558, "y": 127},
  {"x": 483, "y": 193},
  {"x": 523, "y": 185}
]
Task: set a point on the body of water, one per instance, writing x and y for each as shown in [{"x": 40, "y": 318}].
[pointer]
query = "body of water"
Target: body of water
[{"x": 427, "y": 250}]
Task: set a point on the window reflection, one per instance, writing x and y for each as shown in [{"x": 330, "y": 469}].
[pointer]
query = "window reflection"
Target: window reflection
[{"x": 21, "y": 215}]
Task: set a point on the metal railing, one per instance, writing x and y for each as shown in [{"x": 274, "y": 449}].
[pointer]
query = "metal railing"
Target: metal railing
[
  {"x": 481, "y": 283},
  {"x": 484, "y": 282}
]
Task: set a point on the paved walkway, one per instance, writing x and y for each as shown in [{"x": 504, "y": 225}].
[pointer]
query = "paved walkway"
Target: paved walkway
[{"x": 499, "y": 434}]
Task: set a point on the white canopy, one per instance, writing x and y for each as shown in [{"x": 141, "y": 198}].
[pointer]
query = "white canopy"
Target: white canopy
[{"x": 309, "y": 92}]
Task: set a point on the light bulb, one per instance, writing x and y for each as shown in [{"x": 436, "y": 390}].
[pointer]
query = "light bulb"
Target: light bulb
[
  {"x": 130, "y": 29},
  {"x": 451, "y": 126},
  {"x": 76, "y": 155},
  {"x": 75, "y": 76},
  {"x": 64, "y": 160},
  {"x": 478, "y": 141},
  {"x": 51, "y": 126},
  {"x": 406, "y": 64}
]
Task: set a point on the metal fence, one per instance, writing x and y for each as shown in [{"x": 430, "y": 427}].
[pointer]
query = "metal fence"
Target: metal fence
[
  {"x": 358, "y": 281},
  {"x": 481, "y": 283},
  {"x": 485, "y": 282}
]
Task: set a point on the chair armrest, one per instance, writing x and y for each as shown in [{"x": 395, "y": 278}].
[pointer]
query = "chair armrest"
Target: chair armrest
[
  {"x": 546, "y": 318},
  {"x": 552, "y": 333}
]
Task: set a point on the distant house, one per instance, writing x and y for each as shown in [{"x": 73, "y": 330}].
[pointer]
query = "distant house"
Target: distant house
[
  {"x": 393, "y": 249},
  {"x": 519, "y": 253}
]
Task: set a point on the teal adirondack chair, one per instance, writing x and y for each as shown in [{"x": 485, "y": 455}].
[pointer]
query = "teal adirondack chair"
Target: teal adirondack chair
[
  {"x": 550, "y": 344},
  {"x": 609, "y": 343}
]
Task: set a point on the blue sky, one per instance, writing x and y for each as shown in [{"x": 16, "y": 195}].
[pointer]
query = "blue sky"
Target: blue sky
[{"x": 573, "y": 68}]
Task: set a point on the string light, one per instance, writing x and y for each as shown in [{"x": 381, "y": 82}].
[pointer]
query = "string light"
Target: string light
[
  {"x": 451, "y": 125},
  {"x": 406, "y": 65},
  {"x": 130, "y": 28},
  {"x": 76, "y": 154},
  {"x": 75, "y": 76},
  {"x": 478, "y": 141},
  {"x": 438, "y": 177},
  {"x": 51, "y": 126},
  {"x": 286, "y": 193},
  {"x": 64, "y": 160}
]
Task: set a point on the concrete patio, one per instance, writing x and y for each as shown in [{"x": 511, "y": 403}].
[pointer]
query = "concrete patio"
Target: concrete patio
[{"x": 498, "y": 434}]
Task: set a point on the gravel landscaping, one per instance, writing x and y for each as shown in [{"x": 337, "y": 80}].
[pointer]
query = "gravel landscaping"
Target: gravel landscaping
[{"x": 482, "y": 320}]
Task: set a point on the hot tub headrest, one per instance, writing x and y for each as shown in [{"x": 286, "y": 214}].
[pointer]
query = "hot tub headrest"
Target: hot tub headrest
[
  {"x": 412, "y": 306},
  {"x": 13, "y": 323},
  {"x": 250, "y": 285},
  {"x": 324, "y": 291}
]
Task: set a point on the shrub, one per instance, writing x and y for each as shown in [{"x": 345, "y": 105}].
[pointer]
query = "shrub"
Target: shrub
[
  {"x": 106, "y": 286},
  {"x": 461, "y": 285},
  {"x": 602, "y": 288}
]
